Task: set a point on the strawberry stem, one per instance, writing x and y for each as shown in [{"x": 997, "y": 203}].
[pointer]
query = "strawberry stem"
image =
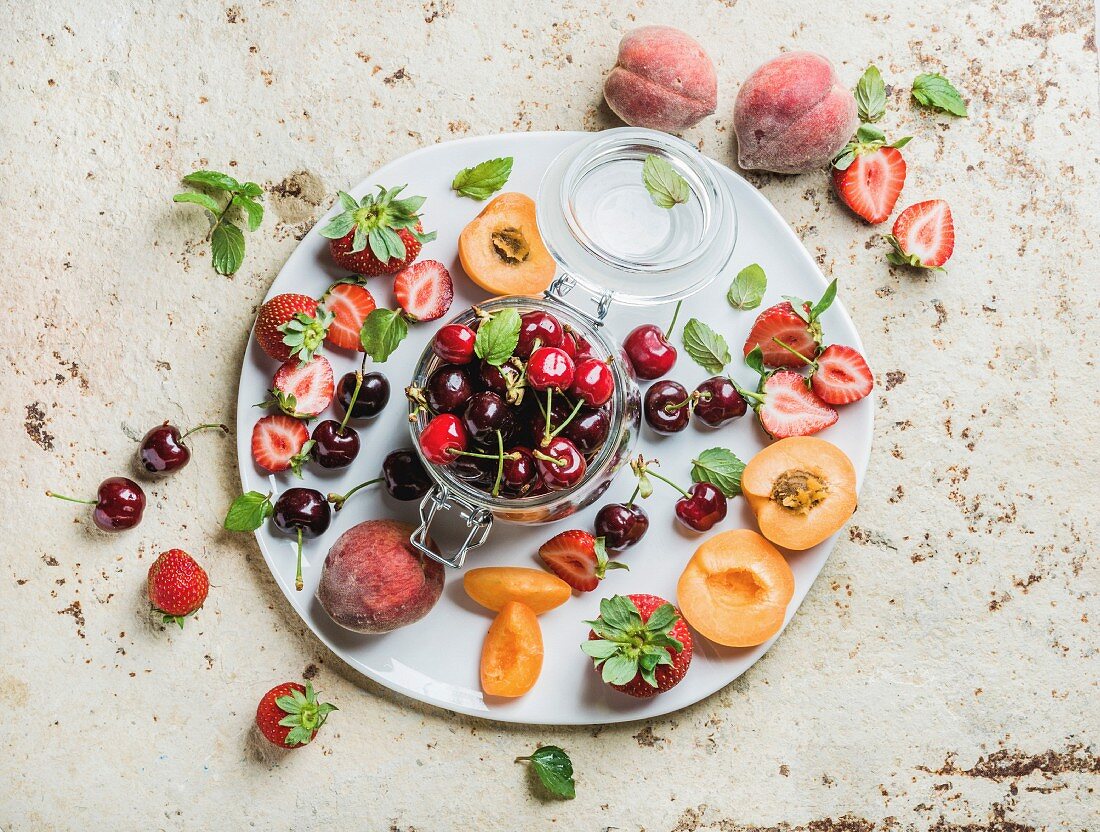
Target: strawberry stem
[
  {"x": 791, "y": 349},
  {"x": 71, "y": 499},
  {"x": 197, "y": 428},
  {"x": 675, "y": 315}
]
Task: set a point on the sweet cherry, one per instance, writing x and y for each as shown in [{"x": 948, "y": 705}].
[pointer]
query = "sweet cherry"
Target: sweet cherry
[
  {"x": 550, "y": 368},
  {"x": 373, "y": 396},
  {"x": 118, "y": 505},
  {"x": 648, "y": 348},
  {"x": 701, "y": 507},
  {"x": 593, "y": 382},
  {"x": 449, "y": 389},
  {"x": 454, "y": 343},
  {"x": 405, "y": 476},
  {"x": 718, "y": 402},
  {"x": 301, "y": 512},
  {"x": 442, "y": 437},
  {"x": 621, "y": 525},
  {"x": 560, "y": 464},
  {"x": 588, "y": 430},
  {"x": 667, "y": 406},
  {"x": 538, "y": 329},
  {"x": 162, "y": 449},
  {"x": 335, "y": 445},
  {"x": 520, "y": 472}
]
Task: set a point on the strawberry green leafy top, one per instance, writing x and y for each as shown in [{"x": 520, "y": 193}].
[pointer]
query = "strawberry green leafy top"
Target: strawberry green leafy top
[
  {"x": 628, "y": 646},
  {"x": 376, "y": 219},
  {"x": 304, "y": 714}
]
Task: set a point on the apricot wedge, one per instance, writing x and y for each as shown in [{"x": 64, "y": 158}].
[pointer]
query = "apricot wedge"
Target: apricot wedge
[
  {"x": 801, "y": 489},
  {"x": 495, "y": 586},
  {"x": 735, "y": 589},
  {"x": 511, "y": 658},
  {"x": 501, "y": 250}
]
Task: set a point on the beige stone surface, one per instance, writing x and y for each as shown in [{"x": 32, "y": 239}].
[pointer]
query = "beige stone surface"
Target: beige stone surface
[{"x": 941, "y": 675}]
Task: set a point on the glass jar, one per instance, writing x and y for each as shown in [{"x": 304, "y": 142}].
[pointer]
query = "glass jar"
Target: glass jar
[{"x": 612, "y": 244}]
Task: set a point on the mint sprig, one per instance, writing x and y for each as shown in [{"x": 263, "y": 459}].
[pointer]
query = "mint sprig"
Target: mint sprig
[
  {"x": 721, "y": 468},
  {"x": 382, "y": 332},
  {"x": 248, "y": 512},
  {"x": 747, "y": 290},
  {"x": 665, "y": 185},
  {"x": 706, "y": 347},
  {"x": 554, "y": 770},
  {"x": 497, "y": 337},
  {"x": 226, "y": 237},
  {"x": 484, "y": 179},
  {"x": 931, "y": 89},
  {"x": 871, "y": 95}
]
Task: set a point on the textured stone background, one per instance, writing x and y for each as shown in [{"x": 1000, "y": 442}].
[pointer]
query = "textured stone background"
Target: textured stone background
[{"x": 941, "y": 675}]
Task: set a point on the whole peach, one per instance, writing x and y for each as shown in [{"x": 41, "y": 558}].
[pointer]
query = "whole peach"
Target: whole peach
[
  {"x": 792, "y": 114},
  {"x": 662, "y": 80},
  {"x": 374, "y": 581}
]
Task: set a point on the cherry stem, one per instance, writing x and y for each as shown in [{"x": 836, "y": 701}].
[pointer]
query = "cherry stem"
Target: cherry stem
[
  {"x": 457, "y": 452},
  {"x": 690, "y": 400},
  {"x": 197, "y": 428},
  {"x": 298, "y": 582},
  {"x": 546, "y": 429},
  {"x": 563, "y": 425},
  {"x": 634, "y": 496},
  {"x": 500, "y": 465},
  {"x": 351, "y": 404},
  {"x": 71, "y": 499},
  {"x": 675, "y": 315},
  {"x": 338, "y": 500},
  {"x": 558, "y": 461},
  {"x": 666, "y": 481},
  {"x": 791, "y": 349}
]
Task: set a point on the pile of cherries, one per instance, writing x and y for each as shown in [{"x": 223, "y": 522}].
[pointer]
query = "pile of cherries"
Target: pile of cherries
[{"x": 527, "y": 426}]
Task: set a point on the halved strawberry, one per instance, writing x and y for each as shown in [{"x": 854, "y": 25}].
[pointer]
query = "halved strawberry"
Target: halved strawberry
[
  {"x": 578, "y": 558},
  {"x": 790, "y": 408},
  {"x": 277, "y": 441},
  {"x": 841, "y": 375},
  {"x": 350, "y": 304},
  {"x": 424, "y": 290},
  {"x": 289, "y": 325},
  {"x": 796, "y": 323},
  {"x": 924, "y": 236},
  {"x": 302, "y": 390},
  {"x": 872, "y": 183}
]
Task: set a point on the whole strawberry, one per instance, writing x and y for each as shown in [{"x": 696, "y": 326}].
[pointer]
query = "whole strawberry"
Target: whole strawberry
[
  {"x": 177, "y": 585},
  {"x": 291, "y": 324},
  {"x": 289, "y": 715},
  {"x": 642, "y": 643},
  {"x": 378, "y": 235}
]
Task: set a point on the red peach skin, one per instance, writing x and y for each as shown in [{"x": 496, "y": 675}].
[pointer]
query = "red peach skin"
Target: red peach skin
[
  {"x": 792, "y": 115},
  {"x": 662, "y": 80}
]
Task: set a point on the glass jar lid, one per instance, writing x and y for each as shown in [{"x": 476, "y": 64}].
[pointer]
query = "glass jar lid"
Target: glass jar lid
[{"x": 606, "y": 232}]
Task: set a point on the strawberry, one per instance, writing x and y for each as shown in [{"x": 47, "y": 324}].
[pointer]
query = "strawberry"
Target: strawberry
[
  {"x": 841, "y": 375},
  {"x": 289, "y": 325},
  {"x": 424, "y": 290},
  {"x": 377, "y": 235},
  {"x": 289, "y": 715},
  {"x": 795, "y": 323},
  {"x": 578, "y": 558},
  {"x": 177, "y": 585},
  {"x": 302, "y": 390},
  {"x": 924, "y": 236},
  {"x": 350, "y": 304},
  {"x": 642, "y": 643},
  {"x": 278, "y": 443},
  {"x": 872, "y": 183}
]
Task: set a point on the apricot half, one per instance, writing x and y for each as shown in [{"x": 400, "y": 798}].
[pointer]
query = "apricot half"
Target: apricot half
[
  {"x": 801, "y": 489},
  {"x": 495, "y": 586},
  {"x": 735, "y": 589},
  {"x": 511, "y": 658},
  {"x": 501, "y": 249}
]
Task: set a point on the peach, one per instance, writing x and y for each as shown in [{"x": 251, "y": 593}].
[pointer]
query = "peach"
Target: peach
[
  {"x": 662, "y": 80},
  {"x": 495, "y": 586},
  {"x": 511, "y": 658},
  {"x": 502, "y": 251},
  {"x": 801, "y": 489},
  {"x": 792, "y": 114},
  {"x": 735, "y": 589},
  {"x": 374, "y": 581}
]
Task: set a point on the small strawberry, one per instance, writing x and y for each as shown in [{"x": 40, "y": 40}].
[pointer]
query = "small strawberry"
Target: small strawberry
[
  {"x": 280, "y": 442},
  {"x": 924, "y": 236},
  {"x": 177, "y": 585},
  {"x": 795, "y": 323},
  {"x": 350, "y": 304},
  {"x": 289, "y": 715},
  {"x": 302, "y": 390},
  {"x": 578, "y": 558},
  {"x": 839, "y": 375},
  {"x": 642, "y": 643},
  {"x": 378, "y": 235},
  {"x": 289, "y": 325},
  {"x": 424, "y": 290},
  {"x": 784, "y": 405},
  {"x": 868, "y": 174}
]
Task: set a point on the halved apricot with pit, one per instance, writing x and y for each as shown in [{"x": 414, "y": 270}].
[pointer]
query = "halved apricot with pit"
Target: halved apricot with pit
[
  {"x": 501, "y": 249},
  {"x": 735, "y": 589},
  {"x": 801, "y": 489},
  {"x": 495, "y": 586},
  {"x": 511, "y": 658}
]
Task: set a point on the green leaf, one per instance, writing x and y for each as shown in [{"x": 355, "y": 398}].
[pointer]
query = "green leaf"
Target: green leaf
[
  {"x": 871, "y": 95},
  {"x": 665, "y": 185},
  {"x": 618, "y": 613},
  {"x": 251, "y": 189},
  {"x": 338, "y": 226},
  {"x": 619, "y": 669},
  {"x": 227, "y": 248},
  {"x": 382, "y": 331},
  {"x": 600, "y": 648},
  {"x": 721, "y": 468},
  {"x": 706, "y": 347},
  {"x": 662, "y": 619},
  {"x": 755, "y": 360},
  {"x": 205, "y": 200},
  {"x": 868, "y": 134},
  {"x": 482, "y": 180},
  {"x": 933, "y": 90},
  {"x": 252, "y": 209},
  {"x": 497, "y": 337},
  {"x": 825, "y": 302},
  {"x": 212, "y": 179},
  {"x": 248, "y": 512},
  {"x": 554, "y": 770},
  {"x": 747, "y": 289},
  {"x": 900, "y": 143}
]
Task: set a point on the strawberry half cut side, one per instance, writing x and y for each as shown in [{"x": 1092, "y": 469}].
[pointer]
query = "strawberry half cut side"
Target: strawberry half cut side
[{"x": 924, "y": 236}]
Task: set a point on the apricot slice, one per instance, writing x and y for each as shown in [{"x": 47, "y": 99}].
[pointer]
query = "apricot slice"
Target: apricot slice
[
  {"x": 801, "y": 489},
  {"x": 511, "y": 658},
  {"x": 501, "y": 249},
  {"x": 735, "y": 589},
  {"x": 495, "y": 586}
]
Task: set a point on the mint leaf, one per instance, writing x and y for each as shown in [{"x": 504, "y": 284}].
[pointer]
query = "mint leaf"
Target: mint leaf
[
  {"x": 382, "y": 331},
  {"x": 554, "y": 769},
  {"x": 871, "y": 95},
  {"x": 252, "y": 210},
  {"x": 227, "y": 248},
  {"x": 251, "y": 189},
  {"x": 933, "y": 90},
  {"x": 497, "y": 337},
  {"x": 212, "y": 179},
  {"x": 205, "y": 200},
  {"x": 706, "y": 347},
  {"x": 248, "y": 512},
  {"x": 721, "y": 468},
  {"x": 747, "y": 290},
  {"x": 482, "y": 180},
  {"x": 665, "y": 185}
]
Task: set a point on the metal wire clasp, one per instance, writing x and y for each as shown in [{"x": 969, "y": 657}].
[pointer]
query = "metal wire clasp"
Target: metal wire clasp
[
  {"x": 478, "y": 520},
  {"x": 563, "y": 284}
]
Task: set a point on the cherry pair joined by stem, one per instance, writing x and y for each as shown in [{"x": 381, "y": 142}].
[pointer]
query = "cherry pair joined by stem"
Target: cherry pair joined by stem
[
  {"x": 162, "y": 449},
  {"x": 699, "y": 507},
  {"x": 403, "y": 475},
  {"x": 119, "y": 504}
]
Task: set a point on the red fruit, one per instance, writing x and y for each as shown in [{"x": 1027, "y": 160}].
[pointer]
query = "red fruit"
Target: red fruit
[
  {"x": 871, "y": 184},
  {"x": 424, "y": 290},
  {"x": 782, "y": 322},
  {"x": 842, "y": 376},
  {"x": 177, "y": 585},
  {"x": 560, "y": 464},
  {"x": 550, "y": 368},
  {"x": 349, "y": 304},
  {"x": 649, "y": 658},
  {"x": 443, "y": 435},
  {"x": 454, "y": 343},
  {"x": 593, "y": 382},
  {"x": 924, "y": 236},
  {"x": 276, "y": 441},
  {"x": 787, "y": 407},
  {"x": 303, "y": 390},
  {"x": 389, "y": 232},
  {"x": 577, "y": 558},
  {"x": 273, "y": 327},
  {"x": 649, "y": 351},
  {"x": 289, "y": 714}
]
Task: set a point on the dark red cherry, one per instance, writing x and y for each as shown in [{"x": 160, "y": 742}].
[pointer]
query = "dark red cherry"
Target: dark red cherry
[
  {"x": 442, "y": 435},
  {"x": 518, "y": 476},
  {"x": 118, "y": 505},
  {"x": 454, "y": 343},
  {"x": 485, "y": 414},
  {"x": 560, "y": 464},
  {"x": 448, "y": 389},
  {"x": 404, "y": 475},
  {"x": 538, "y": 329},
  {"x": 550, "y": 368},
  {"x": 302, "y": 513},
  {"x": 666, "y": 406},
  {"x": 335, "y": 446},
  {"x": 621, "y": 525},
  {"x": 162, "y": 449},
  {"x": 704, "y": 506},
  {"x": 718, "y": 402},
  {"x": 593, "y": 382},
  {"x": 373, "y": 395},
  {"x": 650, "y": 353},
  {"x": 589, "y": 429}
]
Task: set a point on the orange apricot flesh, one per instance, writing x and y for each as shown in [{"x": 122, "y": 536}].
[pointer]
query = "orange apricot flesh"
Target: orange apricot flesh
[
  {"x": 495, "y": 586},
  {"x": 501, "y": 250},
  {"x": 511, "y": 658},
  {"x": 801, "y": 489},
  {"x": 735, "y": 589}
]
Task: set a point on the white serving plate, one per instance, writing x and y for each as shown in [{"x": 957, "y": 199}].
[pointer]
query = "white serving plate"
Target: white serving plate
[{"x": 436, "y": 659}]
